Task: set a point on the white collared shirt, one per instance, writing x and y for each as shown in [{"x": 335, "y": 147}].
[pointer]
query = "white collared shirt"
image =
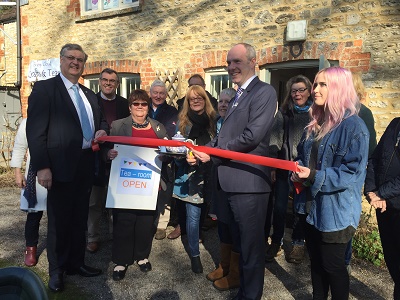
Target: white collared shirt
[{"x": 68, "y": 84}]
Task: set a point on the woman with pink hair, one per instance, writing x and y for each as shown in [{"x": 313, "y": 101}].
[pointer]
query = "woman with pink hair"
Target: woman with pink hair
[{"x": 332, "y": 157}]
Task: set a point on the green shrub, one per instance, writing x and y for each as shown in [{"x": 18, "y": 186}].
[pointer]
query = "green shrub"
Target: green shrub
[{"x": 367, "y": 242}]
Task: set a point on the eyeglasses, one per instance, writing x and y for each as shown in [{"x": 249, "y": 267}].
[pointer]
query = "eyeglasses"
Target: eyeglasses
[
  {"x": 72, "y": 58},
  {"x": 198, "y": 99},
  {"x": 301, "y": 91},
  {"x": 105, "y": 80},
  {"x": 143, "y": 104},
  {"x": 224, "y": 101}
]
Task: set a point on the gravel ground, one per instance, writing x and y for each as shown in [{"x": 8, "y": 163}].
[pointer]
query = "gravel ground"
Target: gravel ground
[{"x": 172, "y": 277}]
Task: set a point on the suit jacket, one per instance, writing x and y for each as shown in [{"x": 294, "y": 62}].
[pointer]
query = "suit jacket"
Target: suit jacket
[
  {"x": 246, "y": 129},
  {"x": 54, "y": 131}
]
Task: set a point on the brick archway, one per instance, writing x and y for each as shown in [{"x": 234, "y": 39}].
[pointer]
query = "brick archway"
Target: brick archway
[{"x": 349, "y": 55}]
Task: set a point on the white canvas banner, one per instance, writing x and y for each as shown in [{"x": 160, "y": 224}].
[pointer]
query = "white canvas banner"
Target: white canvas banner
[
  {"x": 134, "y": 178},
  {"x": 43, "y": 69}
]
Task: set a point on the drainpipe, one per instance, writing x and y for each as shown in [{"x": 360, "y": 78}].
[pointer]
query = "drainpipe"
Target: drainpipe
[{"x": 18, "y": 84}]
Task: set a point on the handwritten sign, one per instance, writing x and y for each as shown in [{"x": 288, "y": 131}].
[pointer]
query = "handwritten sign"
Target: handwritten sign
[
  {"x": 134, "y": 178},
  {"x": 43, "y": 69}
]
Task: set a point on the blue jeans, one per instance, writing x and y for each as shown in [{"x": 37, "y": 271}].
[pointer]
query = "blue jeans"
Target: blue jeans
[
  {"x": 280, "y": 208},
  {"x": 193, "y": 213}
]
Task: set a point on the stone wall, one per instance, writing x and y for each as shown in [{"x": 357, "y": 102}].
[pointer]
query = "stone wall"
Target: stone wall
[
  {"x": 194, "y": 35},
  {"x": 8, "y": 54}
]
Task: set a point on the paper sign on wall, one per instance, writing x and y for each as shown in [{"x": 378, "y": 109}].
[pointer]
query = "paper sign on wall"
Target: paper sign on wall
[{"x": 134, "y": 178}]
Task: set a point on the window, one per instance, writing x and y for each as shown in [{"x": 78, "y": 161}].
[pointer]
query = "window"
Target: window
[
  {"x": 100, "y": 6},
  {"x": 128, "y": 83},
  {"x": 216, "y": 81}
]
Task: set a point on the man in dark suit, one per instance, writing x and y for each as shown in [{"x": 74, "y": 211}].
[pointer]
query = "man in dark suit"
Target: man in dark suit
[
  {"x": 64, "y": 118},
  {"x": 246, "y": 129},
  {"x": 114, "y": 107}
]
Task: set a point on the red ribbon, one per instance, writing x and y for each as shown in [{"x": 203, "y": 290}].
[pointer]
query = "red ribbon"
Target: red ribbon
[{"x": 244, "y": 157}]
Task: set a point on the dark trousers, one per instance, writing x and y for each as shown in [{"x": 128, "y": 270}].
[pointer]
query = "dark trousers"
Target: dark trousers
[
  {"x": 299, "y": 225},
  {"x": 173, "y": 217},
  {"x": 67, "y": 213},
  {"x": 328, "y": 269},
  {"x": 389, "y": 229},
  {"x": 249, "y": 211},
  {"x": 228, "y": 230},
  {"x": 281, "y": 198},
  {"x": 32, "y": 228},
  {"x": 229, "y": 234},
  {"x": 132, "y": 235}
]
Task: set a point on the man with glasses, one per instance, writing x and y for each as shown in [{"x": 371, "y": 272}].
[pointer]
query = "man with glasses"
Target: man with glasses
[
  {"x": 64, "y": 118},
  {"x": 114, "y": 107}
]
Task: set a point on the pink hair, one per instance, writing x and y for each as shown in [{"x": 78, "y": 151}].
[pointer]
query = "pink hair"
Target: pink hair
[{"x": 342, "y": 102}]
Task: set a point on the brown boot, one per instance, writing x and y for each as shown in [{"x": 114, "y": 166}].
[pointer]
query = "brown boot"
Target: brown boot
[
  {"x": 30, "y": 256},
  {"x": 223, "y": 268},
  {"x": 232, "y": 280},
  {"x": 175, "y": 234}
]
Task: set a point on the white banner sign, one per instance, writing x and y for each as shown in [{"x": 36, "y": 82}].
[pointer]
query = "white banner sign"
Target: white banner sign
[
  {"x": 43, "y": 69},
  {"x": 134, "y": 178}
]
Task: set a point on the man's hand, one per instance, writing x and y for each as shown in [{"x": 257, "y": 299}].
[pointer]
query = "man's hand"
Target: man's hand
[
  {"x": 376, "y": 201},
  {"x": 98, "y": 134},
  {"x": 19, "y": 178},
  {"x": 203, "y": 157},
  {"x": 112, "y": 153},
  {"x": 45, "y": 178}
]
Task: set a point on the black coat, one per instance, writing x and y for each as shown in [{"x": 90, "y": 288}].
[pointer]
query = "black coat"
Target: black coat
[{"x": 383, "y": 172}]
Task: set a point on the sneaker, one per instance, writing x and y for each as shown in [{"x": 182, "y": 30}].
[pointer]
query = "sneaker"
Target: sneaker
[
  {"x": 296, "y": 255},
  {"x": 273, "y": 251}
]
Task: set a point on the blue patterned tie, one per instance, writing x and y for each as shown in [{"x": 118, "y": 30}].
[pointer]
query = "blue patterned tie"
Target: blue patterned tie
[
  {"x": 239, "y": 93},
  {"x": 30, "y": 187},
  {"x": 86, "y": 128}
]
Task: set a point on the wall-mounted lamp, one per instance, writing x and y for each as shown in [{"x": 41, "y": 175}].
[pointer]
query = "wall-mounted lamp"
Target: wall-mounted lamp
[{"x": 296, "y": 31}]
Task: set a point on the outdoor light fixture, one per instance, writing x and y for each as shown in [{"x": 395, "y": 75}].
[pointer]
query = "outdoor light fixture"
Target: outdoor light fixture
[{"x": 296, "y": 31}]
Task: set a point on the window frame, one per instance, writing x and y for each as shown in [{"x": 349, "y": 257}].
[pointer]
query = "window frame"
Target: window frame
[
  {"x": 209, "y": 74},
  {"x": 121, "y": 6}
]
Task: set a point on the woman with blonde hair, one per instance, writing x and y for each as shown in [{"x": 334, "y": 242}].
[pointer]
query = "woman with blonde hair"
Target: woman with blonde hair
[
  {"x": 197, "y": 123},
  {"x": 332, "y": 157}
]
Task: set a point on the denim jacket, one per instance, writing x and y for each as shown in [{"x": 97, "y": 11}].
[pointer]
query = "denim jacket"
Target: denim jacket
[{"x": 341, "y": 169}]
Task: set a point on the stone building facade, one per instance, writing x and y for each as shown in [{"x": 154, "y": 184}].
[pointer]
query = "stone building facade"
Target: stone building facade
[{"x": 175, "y": 39}]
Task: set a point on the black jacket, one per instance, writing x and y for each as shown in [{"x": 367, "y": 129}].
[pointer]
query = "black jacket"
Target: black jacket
[
  {"x": 102, "y": 166},
  {"x": 166, "y": 115},
  {"x": 383, "y": 172}
]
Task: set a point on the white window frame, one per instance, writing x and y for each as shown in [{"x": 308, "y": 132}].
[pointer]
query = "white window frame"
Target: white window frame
[
  {"x": 209, "y": 81},
  {"x": 126, "y": 86},
  {"x": 265, "y": 70},
  {"x": 121, "y": 4}
]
